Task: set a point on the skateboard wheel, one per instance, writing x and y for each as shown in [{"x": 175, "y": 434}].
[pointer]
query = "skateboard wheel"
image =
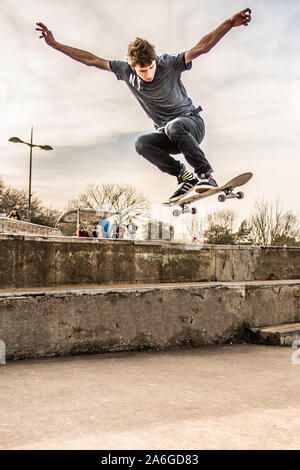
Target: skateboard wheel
[
  {"x": 222, "y": 198},
  {"x": 240, "y": 195},
  {"x": 194, "y": 210},
  {"x": 176, "y": 213}
]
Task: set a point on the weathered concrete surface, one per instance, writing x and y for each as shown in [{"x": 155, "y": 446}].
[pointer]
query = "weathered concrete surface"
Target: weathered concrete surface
[
  {"x": 47, "y": 322},
  {"x": 229, "y": 397},
  {"x": 37, "y": 261}
]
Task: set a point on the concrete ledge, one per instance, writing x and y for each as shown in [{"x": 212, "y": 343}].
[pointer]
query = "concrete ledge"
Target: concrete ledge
[
  {"x": 41, "y": 323},
  {"x": 54, "y": 261},
  {"x": 276, "y": 335},
  {"x": 12, "y": 226}
]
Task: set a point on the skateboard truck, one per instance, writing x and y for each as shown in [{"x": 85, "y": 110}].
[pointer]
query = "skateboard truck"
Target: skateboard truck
[
  {"x": 229, "y": 194},
  {"x": 185, "y": 209}
]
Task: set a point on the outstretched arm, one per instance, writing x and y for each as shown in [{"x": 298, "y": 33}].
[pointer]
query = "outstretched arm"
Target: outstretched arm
[
  {"x": 211, "y": 39},
  {"x": 77, "y": 54}
]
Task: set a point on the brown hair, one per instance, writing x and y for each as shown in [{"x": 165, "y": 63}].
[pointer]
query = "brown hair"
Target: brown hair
[{"x": 141, "y": 52}]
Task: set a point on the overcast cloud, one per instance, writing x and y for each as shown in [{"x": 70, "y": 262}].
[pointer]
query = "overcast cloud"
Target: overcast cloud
[{"x": 248, "y": 86}]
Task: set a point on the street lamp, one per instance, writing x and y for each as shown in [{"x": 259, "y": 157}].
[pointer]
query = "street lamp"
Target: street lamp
[{"x": 16, "y": 140}]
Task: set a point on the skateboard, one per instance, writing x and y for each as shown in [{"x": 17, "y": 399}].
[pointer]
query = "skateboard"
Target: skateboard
[{"x": 226, "y": 191}]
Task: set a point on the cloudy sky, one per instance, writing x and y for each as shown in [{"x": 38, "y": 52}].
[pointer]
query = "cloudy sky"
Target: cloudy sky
[{"x": 248, "y": 86}]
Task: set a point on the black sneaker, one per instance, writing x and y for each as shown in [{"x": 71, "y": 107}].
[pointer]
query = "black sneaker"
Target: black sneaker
[
  {"x": 186, "y": 187},
  {"x": 206, "y": 182}
]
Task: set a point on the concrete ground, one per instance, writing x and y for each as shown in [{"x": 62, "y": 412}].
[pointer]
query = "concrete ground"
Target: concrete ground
[{"x": 223, "y": 397}]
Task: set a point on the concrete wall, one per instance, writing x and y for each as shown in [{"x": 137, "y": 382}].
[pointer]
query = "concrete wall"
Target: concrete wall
[
  {"x": 38, "y": 262},
  {"x": 19, "y": 226},
  {"x": 46, "y": 323},
  {"x": 243, "y": 286}
]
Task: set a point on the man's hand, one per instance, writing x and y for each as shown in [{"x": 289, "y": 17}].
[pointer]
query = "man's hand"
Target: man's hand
[
  {"x": 46, "y": 34},
  {"x": 211, "y": 39},
  {"x": 243, "y": 17}
]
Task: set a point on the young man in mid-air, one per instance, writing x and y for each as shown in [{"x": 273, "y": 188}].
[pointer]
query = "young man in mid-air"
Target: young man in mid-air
[{"x": 155, "y": 81}]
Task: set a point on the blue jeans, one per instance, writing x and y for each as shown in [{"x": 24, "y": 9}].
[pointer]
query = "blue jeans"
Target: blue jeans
[{"x": 181, "y": 135}]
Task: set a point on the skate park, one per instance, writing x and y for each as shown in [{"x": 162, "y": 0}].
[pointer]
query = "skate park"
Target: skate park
[{"x": 114, "y": 336}]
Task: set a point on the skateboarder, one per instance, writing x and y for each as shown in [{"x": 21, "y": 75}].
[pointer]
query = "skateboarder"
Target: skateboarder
[{"x": 155, "y": 81}]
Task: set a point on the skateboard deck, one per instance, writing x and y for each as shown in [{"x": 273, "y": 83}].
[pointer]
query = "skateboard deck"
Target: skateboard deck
[{"x": 201, "y": 193}]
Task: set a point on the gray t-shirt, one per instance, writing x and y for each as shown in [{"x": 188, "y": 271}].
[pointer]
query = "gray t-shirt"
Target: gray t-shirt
[{"x": 165, "y": 98}]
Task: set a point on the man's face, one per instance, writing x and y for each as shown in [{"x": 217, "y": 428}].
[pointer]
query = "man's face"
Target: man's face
[{"x": 146, "y": 73}]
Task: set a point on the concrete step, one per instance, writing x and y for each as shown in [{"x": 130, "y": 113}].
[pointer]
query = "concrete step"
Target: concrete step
[
  {"x": 63, "y": 321},
  {"x": 283, "y": 334}
]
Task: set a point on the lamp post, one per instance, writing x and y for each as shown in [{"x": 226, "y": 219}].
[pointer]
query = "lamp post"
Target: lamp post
[{"x": 16, "y": 140}]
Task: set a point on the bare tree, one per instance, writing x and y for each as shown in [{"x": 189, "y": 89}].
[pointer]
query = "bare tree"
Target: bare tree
[
  {"x": 11, "y": 197},
  {"x": 269, "y": 225},
  {"x": 193, "y": 227},
  {"x": 223, "y": 217},
  {"x": 123, "y": 199}
]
